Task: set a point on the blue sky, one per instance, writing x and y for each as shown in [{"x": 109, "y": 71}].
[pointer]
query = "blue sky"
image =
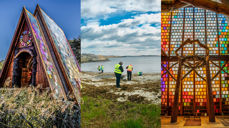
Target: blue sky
[
  {"x": 121, "y": 27},
  {"x": 66, "y": 13}
]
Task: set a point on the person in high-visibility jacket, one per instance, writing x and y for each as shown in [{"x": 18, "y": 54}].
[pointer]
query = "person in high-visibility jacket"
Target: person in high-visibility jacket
[
  {"x": 129, "y": 71},
  {"x": 101, "y": 68},
  {"x": 98, "y": 68},
  {"x": 118, "y": 72}
]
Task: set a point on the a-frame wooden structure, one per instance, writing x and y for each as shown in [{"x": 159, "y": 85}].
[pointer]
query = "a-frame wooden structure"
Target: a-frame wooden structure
[{"x": 39, "y": 55}]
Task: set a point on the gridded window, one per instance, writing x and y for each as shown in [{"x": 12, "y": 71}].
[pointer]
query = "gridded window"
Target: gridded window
[
  {"x": 211, "y": 29},
  {"x": 164, "y": 86},
  {"x": 165, "y": 30},
  {"x": 188, "y": 31},
  {"x": 212, "y": 39},
  {"x": 176, "y": 30},
  {"x": 188, "y": 92},
  {"x": 223, "y": 34},
  {"x": 215, "y": 86},
  {"x": 200, "y": 92},
  {"x": 224, "y": 87},
  {"x": 199, "y": 29}
]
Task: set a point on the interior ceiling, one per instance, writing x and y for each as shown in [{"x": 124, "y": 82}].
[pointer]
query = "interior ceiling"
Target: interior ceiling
[{"x": 219, "y": 6}]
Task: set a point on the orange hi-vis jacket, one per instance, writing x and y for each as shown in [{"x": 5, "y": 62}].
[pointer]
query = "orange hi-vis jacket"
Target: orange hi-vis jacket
[{"x": 130, "y": 68}]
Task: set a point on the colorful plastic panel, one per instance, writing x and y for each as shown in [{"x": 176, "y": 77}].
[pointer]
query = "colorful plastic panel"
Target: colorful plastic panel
[
  {"x": 164, "y": 87},
  {"x": 223, "y": 34},
  {"x": 199, "y": 29},
  {"x": 212, "y": 38},
  {"x": 176, "y": 30},
  {"x": 188, "y": 31},
  {"x": 165, "y": 31},
  {"x": 224, "y": 87},
  {"x": 47, "y": 61},
  {"x": 67, "y": 57},
  {"x": 172, "y": 82}
]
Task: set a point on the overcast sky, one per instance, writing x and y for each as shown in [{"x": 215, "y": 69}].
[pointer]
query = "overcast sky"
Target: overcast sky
[{"x": 121, "y": 27}]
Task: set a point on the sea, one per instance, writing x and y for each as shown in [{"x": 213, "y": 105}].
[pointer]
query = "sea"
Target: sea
[{"x": 144, "y": 64}]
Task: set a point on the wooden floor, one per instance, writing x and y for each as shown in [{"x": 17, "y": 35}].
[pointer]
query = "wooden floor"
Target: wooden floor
[{"x": 221, "y": 122}]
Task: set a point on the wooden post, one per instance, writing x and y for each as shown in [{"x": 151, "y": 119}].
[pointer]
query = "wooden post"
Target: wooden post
[
  {"x": 210, "y": 97},
  {"x": 176, "y": 98}
]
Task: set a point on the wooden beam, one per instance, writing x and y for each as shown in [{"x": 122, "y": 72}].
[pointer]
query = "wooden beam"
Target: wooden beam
[
  {"x": 176, "y": 97},
  {"x": 210, "y": 96},
  {"x": 168, "y": 72},
  {"x": 210, "y": 5},
  {"x": 222, "y": 7},
  {"x": 211, "y": 58}
]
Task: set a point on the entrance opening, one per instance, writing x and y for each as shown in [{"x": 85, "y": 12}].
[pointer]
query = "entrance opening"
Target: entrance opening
[{"x": 24, "y": 69}]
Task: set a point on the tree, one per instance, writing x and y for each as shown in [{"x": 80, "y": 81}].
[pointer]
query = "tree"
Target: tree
[{"x": 76, "y": 48}]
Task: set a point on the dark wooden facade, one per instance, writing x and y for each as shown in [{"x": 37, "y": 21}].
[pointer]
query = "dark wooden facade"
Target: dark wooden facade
[{"x": 7, "y": 71}]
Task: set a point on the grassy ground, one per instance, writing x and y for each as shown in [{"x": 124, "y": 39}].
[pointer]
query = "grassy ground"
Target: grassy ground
[
  {"x": 101, "y": 109},
  {"x": 29, "y": 108},
  {"x": 104, "y": 113}
]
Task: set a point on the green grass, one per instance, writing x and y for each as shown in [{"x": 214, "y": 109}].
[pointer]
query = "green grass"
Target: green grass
[
  {"x": 100, "y": 112},
  {"x": 130, "y": 123}
]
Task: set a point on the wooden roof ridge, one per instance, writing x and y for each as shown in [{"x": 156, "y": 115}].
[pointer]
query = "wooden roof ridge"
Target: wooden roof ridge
[{"x": 13, "y": 44}]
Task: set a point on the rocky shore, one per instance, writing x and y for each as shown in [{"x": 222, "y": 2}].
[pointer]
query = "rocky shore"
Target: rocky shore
[{"x": 142, "y": 89}]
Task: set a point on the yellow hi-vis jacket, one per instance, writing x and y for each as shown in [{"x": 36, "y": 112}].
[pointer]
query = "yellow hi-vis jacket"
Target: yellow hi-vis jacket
[
  {"x": 102, "y": 67},
  {"x": 130, "y": 68},
  {"x": 117, "y": 70}
]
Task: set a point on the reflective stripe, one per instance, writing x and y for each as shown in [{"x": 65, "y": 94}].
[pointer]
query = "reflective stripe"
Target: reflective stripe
[
  {"x": 130, "y": 68},
  {"x": 117, "y": 70}
]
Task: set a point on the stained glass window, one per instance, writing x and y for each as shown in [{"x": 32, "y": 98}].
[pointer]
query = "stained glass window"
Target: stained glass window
[{"x": 211, "y": 29}]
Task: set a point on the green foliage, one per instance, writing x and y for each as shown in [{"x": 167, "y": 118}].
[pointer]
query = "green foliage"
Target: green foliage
[
  {"x": 76, "y": 48},
  {"x": 1, "y": 64}
]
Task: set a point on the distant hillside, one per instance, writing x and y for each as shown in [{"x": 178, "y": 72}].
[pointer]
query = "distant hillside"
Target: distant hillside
[{"x": 94, "y": 58}]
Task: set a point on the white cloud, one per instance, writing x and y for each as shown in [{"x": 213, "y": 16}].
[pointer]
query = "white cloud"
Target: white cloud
[
  {"x": 133, "y": 36},
  {"x": 94, "y": 8}
]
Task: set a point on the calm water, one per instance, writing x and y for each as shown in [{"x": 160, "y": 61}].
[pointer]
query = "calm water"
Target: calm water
[{"x": 141, "y": 64}]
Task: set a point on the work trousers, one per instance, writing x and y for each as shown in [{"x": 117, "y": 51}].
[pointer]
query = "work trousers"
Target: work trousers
[
  {"x": 118, "y": 77},
  {"x": 129, "y": 74}
]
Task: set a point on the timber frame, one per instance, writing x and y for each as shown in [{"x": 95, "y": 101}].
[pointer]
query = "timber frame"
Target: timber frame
[{"x": 220, "y": 61}]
